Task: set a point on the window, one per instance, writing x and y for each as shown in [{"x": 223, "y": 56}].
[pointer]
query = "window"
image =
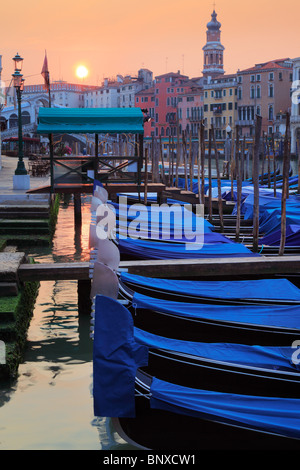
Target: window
[
  {"x": 224, "y": 92},
  {"x": 205, "y": 108},
  {"x": 205, "y": 94},
  {"x": 239, "y": 93},
  {"x": 258, "y": 110},
  {"x": 240, "y": 79},
  {"x": 137, "y": 99},
  {"x": 271, "y": 91},
  {"x": 156, "y": 102},
  {"x": 271, "y": 76},
  {"x": 270, "y": 113},
  {"x": 230, "y": 106},
  {"x": 252, "y": 92},
  {"x": 212, "y": 93},
  {"x": 258, "y": 77},
  {"x": 230, "y": 92},
  {"x": 252, "y": 78},
  {"x": 280, "y": 76},
  {"x": 258, "y": 91}
]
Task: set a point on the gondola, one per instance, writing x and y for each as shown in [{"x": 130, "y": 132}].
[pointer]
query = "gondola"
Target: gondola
[
  {"x": 223, "y": 367},
  {"x": 171, "y": 410},
  {"x": 166, "y": 419},
  {"x": 245, "y": 324},
  {"x": 255, "y": 292}
]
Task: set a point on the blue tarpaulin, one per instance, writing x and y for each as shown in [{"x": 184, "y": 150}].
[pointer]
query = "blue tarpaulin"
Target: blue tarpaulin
[
  {"x": 266, "y": 357},
  {"x": 285, "y": 316},
  {"x": 116, "y": 357},
  {"x": 275, "y": 415},
  {"x": 264, "y": 289},
  {"x": 148, "y": 249}
]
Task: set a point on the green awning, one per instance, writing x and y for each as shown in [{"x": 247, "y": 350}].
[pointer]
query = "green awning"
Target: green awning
[{"x": 90, "y": 121}]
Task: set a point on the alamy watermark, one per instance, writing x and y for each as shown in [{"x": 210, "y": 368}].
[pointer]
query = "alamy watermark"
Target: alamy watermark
[
  {"x": 295, "y": 96},
  {"x": 155, "y": 222},
  {"x": 2, "y": 353},
  {"x": 296, "y": 354}
]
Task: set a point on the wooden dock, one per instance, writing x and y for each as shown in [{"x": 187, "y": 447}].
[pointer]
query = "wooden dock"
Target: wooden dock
[{"x": 179, "y": 268}]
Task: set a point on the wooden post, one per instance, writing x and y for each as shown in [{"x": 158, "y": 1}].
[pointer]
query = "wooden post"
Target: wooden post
[
  {"x": 209, "y": 177},
  {"x": 269, "y": 162},
  {"x": 238, "y": 186},
  {"x": 274, "y": 163},
  {"x": 202, "y": 162},
  {"x": 263, "y": 160},
  {"x": 258, "y": 125},
  {"x": 191, "y": 169},
  {"x": 177, "y": 156},
  {"x": 199, "y": 164},
  {"x": 232, "y": 166},
  {"x": 185, "y": 160},
  {"x": 219, "y": 182},
  {"x": 77, "y": 210},
  {"x": 84, "y": 296},
  {"x": 285, "y": 184},
  {"x": 146, "y": 176}
]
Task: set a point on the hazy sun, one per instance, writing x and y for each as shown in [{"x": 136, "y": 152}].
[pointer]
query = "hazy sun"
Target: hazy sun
[{"x": 82, "y": 71}]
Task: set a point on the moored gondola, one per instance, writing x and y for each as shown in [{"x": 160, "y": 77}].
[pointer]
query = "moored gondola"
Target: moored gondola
[{"x": 169, "y": 416}]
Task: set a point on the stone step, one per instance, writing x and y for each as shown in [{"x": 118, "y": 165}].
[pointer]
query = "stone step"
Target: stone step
[
  {"x": 24, "y": 215},
  {"x": 8, "y": 288},
  {"x": 13, "y": 223},
  {"x": 7, "y": 230}
]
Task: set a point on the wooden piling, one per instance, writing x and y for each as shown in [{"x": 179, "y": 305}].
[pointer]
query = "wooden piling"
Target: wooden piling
[
  {"x": 274, "y": 163},
  {"x": 146, "y": 176},
  {"x": 209, "y": 176},
  {"x": 220, "y": 205},
  {"x": 238, "y": 185},
  {"x": 285, "y": 185},
  {"x": 202, "y": 151},
  {"x": 255, "y": 171}
]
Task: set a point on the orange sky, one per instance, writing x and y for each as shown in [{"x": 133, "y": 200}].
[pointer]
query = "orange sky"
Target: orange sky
[{"x": 119, "y": 37}]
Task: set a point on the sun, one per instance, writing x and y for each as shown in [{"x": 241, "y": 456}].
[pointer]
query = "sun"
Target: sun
[{"x": 82, "y": 71}]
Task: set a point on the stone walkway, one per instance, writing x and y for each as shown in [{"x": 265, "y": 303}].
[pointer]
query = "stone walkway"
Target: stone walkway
[{"x": 9, "y": 164}]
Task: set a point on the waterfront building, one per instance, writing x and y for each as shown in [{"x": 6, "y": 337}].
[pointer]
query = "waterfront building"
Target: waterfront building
[
  {"x": 220, "y": 105},
  {"x": 145, "y": 99},
  {"x": 295, "y": 107},
  {"x": 213, "y": 51},
  {"x": 167, "y": 90},
  {"x": 118, "y": 92},
  {"x": 190, "y": 109},
  {"x": 263, "y": 90}
]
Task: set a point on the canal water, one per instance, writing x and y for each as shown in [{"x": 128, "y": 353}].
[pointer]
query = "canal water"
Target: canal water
[{"x": 50, "y": 405}]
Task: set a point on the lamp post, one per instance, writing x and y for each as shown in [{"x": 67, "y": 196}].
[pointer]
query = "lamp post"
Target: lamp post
[
  {"x": 21, "y": 179},
  {"x": 19, "y": 87}
]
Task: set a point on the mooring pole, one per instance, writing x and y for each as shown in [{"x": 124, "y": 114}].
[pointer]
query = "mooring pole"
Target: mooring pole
[
  {"x": 77, "y": 210},
  {"x": 255, "y": 170}
]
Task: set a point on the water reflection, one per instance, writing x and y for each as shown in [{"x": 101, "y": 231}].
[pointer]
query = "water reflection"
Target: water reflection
[{"x": 50, "y": 405}]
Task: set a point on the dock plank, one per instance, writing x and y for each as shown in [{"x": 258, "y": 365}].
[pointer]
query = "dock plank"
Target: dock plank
[{"x": 179, "y": 268}]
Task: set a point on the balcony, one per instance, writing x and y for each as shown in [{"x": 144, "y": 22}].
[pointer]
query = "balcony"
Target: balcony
[{"x": 245, "y": 122}]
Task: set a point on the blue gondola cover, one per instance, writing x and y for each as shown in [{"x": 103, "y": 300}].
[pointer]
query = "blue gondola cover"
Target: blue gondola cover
[{"x": 116, "y": 357}]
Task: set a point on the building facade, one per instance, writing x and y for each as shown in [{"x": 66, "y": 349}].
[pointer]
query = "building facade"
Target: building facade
[
  {"x": 220, "y": 105},
  {"x": 263, "y": 90},
  {"x": 190, "y": 110}
]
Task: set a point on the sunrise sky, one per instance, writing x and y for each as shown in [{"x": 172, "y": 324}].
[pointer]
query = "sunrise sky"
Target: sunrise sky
[{"x": 119, "y": 37}]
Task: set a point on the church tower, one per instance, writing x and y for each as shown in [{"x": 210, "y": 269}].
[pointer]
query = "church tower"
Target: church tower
[{"x": 213, "y": 49}]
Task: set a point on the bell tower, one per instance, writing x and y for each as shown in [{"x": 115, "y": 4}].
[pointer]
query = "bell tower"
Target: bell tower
[{"x": 213, "y": 49}]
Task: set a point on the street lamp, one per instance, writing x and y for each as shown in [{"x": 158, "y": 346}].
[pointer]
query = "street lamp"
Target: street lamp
[{"x": 18, "y": 82}]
